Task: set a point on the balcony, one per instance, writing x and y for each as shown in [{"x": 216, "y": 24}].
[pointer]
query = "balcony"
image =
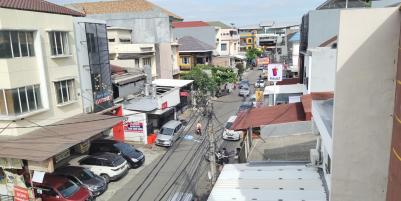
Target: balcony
[{"x": 131, "y": 48}]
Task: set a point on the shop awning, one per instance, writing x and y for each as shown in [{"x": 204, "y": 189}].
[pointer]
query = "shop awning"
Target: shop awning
[
  {"x": 47, "y": 141},
  {"x": 257, "y": 117}
]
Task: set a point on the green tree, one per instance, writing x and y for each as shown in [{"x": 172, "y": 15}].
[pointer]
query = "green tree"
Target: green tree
[
  {"x": 252, "y": 53},
  {"x": 241, "y": 69}
]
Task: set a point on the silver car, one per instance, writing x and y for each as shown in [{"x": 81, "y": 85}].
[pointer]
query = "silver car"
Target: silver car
[
  {"x": 244, "y": 91},
  {"x": 168, "y": 133}
]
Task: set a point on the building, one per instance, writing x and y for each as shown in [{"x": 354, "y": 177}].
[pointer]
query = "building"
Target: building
[
  {"x": 130, "y": 55},
  {"x": 294, "y": 50},
  {"x": 227, "y": 40},
  {"x": 248, "y": 37},
  {"x": 193, "y": 52},
  {"x": 149, "y": 24},
  {"x": 360, "y": 137},
  {"x": 41, "y": 101},
  {"x": 196, "y": 29},
  {"x": 283, "y": 94}
]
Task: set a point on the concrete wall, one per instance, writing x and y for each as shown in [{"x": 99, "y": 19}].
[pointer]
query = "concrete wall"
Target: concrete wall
[
  {"x": 206, "y": 34},
  {"x": 41, "y": 69},
  {"x": 323, "y": 25},
  {"x": 364, "y": 103},
  {"x": 323, "y": 69}
]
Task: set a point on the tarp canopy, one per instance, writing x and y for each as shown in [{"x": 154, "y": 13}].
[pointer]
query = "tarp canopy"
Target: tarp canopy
[
  {"x": 257, "y": 117},
  {"x": 49, "y": 140}
]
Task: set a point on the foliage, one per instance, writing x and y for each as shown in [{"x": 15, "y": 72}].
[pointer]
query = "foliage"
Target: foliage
[
  {"x": 241, "y": 69},
  {"x": 252, "y": 53}
]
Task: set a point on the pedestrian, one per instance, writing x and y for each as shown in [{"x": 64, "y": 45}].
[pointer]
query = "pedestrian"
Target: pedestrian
[
  {"x": 199, "y": 128},
  {"x": 225, "y": 156}
]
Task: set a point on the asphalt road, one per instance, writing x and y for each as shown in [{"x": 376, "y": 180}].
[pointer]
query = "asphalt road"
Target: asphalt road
[{"x": 183, "y": 168}]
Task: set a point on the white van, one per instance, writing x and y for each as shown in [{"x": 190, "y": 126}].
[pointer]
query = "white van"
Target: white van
[{"x": 168, "y": 133}]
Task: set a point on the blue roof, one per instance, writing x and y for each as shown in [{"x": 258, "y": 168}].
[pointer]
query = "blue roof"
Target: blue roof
[{"x": 296, "y": 37}]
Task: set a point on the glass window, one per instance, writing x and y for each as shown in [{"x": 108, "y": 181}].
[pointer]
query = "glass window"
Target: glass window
[
  {"x": 65, "y": 91},
  {"x": 59, "y": 43},
  {"x": 20, "y": 100},
  {"x": 38, "y": 97},
  {"x": 5, "y": 45},
  {"x": 147, "y": 62},
  {"x": 15, "y": 101},
  {"x": 23, "y": 40},
  {"x": 15, "y": 43},
  {"x": 31, "y": 98},
  {"x": 223, "y": 47},
  {"x": 185, "y": 60},
  {"x": 31, "y": 47},
  {"x": 68, "y": 189},
  {"x": 23, "y": 99}
]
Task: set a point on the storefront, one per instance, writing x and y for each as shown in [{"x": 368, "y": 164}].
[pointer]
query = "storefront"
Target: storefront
[{"x": 46, "y": 148}]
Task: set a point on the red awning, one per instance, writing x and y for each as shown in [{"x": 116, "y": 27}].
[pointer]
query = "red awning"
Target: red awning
[{"x": 257, "y": 117}]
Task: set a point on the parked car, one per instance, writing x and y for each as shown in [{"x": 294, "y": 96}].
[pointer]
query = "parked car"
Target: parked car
[
  {"x": 107, "y": 165},
  {"x": 261, "y": 67},
  {"x": 56, "y": 188},
  {"x": 84, "y": 177},
  {"x": 134, "y": 157},
  {"x": 244, "y": 83},
  {"x": 260, "y": 83},
  {"x": 168, "y": 133},
  {"x": 245, "y": 106},
  {"x": 244, "y": 91},
  {"x": 230, "y": 134}
]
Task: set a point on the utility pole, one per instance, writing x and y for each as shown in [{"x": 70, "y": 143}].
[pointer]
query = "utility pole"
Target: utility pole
[{"x": 211, "y": 145}]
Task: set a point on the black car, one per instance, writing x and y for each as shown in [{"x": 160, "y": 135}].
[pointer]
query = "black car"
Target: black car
[
  {"x": 134, "y": 157},
  {"x": 82, "y": 176}
]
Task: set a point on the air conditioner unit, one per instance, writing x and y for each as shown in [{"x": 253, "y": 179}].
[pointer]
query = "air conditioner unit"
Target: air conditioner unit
[{"x": 314, "y": 157}]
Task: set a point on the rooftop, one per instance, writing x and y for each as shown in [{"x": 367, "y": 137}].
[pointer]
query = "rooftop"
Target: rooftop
[
  {"x": 291, "y": 181},
  {"x": 120, "y": 6},
  {"x": 284, "y": 89},
  {"x": 323, "y": 111},
  {"x": 189, "y": 24},
  {"x": 39, "y": 6},
  {"x": 219, "y": 24},
  {"x": 191, "y": 44},
  {"x": 171, "y": 82}
]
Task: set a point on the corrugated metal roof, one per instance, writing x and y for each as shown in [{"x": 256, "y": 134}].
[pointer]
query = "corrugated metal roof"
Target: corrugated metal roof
[
  {"x": 38, "y": 6},
  {"x": 244, "y": 182}
]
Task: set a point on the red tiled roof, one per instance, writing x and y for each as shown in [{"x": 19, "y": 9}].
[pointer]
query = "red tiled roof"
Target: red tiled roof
[
  {"x": 39, "y": 6},
  {"x": 189, "y": 24},
  {"x": 307, "y": 101},
  {"x": 257, "y": 117},
  {"x": 289, "y": 81}
]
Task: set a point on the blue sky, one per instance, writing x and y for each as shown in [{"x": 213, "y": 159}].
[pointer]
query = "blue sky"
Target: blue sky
[{"x": 240, "y": 12}]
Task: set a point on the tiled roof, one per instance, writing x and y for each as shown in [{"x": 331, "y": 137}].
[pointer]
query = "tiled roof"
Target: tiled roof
[
  {"x": 219, "y": 24},
  {"x": 257, "y": 117},
  {"x": 120, "y": 6},
  {"x": 38, "y": 6},
  {"x": 191, "y": 44},
  {"x": 190, "y": 24}
]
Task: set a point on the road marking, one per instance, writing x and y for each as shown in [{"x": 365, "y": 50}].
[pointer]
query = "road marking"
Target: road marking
[{"x": 396, "y": 154}]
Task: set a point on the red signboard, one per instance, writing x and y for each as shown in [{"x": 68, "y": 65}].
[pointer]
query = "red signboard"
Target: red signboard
[
  {"x": 21, "y": 194},
  {"x": 135, "y": 127},
  {"x": 164, "y": 105}
]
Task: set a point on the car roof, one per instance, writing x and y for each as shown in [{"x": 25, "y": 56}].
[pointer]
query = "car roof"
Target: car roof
[
  {"x": 232, "y": 118},
  {"x": 102, "y": 156},
  {"x": 246, "y": 104},
  {"x": 171, "y": 124},
  {"x": 69, "y": 170},
  {"x": 51, "y": 180}
]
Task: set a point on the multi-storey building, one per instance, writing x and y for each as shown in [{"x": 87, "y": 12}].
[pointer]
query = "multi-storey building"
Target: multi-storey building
[{"x": 248, "y": 37}]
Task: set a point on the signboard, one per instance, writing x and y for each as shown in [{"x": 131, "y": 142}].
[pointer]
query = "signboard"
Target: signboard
[
  {"x": 263, "y": 61},
  {"x": 164, "y": 105},
  {"x": 38, "y": 177},
  {"x": 21, "y": 194},
  {"x": 275, "y": 72},
  {"x": 135, "y": 127}
]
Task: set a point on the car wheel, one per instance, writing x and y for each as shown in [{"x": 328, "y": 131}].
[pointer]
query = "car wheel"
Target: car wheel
[{"x": 106, "y": 177}]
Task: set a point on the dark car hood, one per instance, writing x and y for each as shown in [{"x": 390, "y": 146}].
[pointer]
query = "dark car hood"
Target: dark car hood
[{"x": 133, "y": 154}]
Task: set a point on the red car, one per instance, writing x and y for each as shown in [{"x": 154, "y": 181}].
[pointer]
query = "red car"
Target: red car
[{"x": 56, "y": 188}]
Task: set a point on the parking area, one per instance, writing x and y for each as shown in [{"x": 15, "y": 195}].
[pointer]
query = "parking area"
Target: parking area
[{"x": 151, "y": 153}]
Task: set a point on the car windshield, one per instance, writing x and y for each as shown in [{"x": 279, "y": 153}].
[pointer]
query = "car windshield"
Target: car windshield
[
  {"x": 167, "y": 131},
  {"x": 228, "y": 125},
  {"x": 244, "y": 81},
  {"x": 68, "y": 189},
  {"x": 125, "y": 148},
  {"x": 118, "y": 161},
  {"x": 245, "y": 89},
  {"x": 85, "y": 175}
]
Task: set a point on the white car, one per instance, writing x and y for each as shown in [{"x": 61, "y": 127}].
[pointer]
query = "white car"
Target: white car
[
  {"x": 244, "y": 91},
  {"x": 229, "y": 134},
  {"x": 260, "y": 84},
  {"x": 107, "y": 165}
]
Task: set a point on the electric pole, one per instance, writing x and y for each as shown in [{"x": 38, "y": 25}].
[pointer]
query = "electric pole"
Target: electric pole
[{"x": 211, "y": 145}]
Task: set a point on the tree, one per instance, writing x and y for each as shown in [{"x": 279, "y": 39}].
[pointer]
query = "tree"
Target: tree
[
  {"x": 241, "y": 69},
  {"x": 252, "y": 53}
]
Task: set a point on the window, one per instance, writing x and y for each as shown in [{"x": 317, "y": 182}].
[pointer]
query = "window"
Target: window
[
  {"x": 16, "y": 44},
  {"x": 125, "y": 40},
  {"x": 136, "y": 63},
  {"x": 185, "y": 60},
  {"x": 112, "y": 40},
  {"x": 20, "y": 100},
  {"x": 328, "y": 165},
  {"x": 147, "y": 62},
  {"x": 65, "y": 91},
  {"x": 59, "y": 43},
  {"x": 249, "y": 40},
  {"x": 224, "y": 47}
]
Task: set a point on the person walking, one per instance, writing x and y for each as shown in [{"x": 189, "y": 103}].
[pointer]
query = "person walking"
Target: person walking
[
  {"x": 225, "y": 156},
  {"x": 199, "y": 128}
]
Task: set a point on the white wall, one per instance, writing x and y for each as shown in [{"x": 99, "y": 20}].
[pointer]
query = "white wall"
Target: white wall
[
  {"x": 323, "y": 25},
  {"x": 322, "y": 71},
  {"x": 364, "y": 103}
]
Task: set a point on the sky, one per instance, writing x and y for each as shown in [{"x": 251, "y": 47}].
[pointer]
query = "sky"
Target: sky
[{"x": 239, "y": 12}]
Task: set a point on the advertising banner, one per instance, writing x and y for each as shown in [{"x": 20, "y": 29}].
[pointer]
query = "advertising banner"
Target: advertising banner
[
  {"x": 21, "y": 194},
  {"x": 135, "y": 127},
  {"x": 275, "y": 72}
]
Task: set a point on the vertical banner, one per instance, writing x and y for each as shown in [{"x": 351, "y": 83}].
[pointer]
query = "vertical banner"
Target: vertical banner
[
  {"x": 275, "y": 72},
  {"x": 21, "y": 194},
  {"x": 135, "y": 127}
]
